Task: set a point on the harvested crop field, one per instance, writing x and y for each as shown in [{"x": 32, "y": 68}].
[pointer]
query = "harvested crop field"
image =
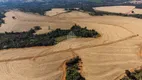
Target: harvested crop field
[
  {"x": 120, "y": 9},
  {"x": 138, "y": 11},
  {"x": 104, "y": 58},
  {"x": 55, "y": 11}
]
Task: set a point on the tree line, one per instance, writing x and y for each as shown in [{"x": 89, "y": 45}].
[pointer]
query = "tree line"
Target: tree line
[
  {"x": 102, "y": 13},
  {"x": 1, "y": 17},
  {"x": 29, "y": 38},
  {"x": 72, "y": 70}
]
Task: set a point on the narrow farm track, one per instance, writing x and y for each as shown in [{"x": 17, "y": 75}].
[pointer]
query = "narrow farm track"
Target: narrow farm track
[{"x": 67, "y": 50}]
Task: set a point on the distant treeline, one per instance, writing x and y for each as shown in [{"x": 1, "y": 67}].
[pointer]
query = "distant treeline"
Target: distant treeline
[
  {"x": 29, "y": 39},
  {"x": 33, "y": 7},
  {"x": 42, "y": 7},
  {"x": 1, "y": 17},
  {"x": 101, "y": 13}
]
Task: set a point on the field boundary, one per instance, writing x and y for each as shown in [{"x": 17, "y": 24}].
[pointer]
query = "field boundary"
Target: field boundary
[{"x": 67, "y": 50}]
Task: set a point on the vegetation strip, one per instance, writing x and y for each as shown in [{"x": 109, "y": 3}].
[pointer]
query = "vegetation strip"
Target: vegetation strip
[
  {"x": 93, "y": 12},
  {"x": 135, "y": 75},
  {"x": 72, "y": 69},
  {"x": 101, "y": 13},
  {"x": 30, "y": 39},
  {"x": 1, "y": 17}
]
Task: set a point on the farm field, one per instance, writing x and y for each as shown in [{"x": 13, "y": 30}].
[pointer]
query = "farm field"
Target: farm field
[
  {"x": 119, "y": 9},
  {"x": 55, "y": 11},
  {"x": 104, "y": 58},
  {"x": 138, "y": 11}
]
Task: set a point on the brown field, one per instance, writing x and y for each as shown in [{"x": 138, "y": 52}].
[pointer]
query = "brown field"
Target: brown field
[
  {"x": 119, "y": 9},
  {"x": 138, "y": 11},
  {"x": 55, "y": 11},
  {"x": 104, "y": 58}
]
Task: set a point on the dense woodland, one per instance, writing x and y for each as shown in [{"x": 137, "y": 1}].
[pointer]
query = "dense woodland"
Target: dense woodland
[
  {"x": 1, "y": 16},
  {"x": 29, "y": 38},
  {"x": 41, "y": 7},
  {"x": 72, "y": 70},
  {"x": 33, "y": 7},
  {"x": 136, "y": 75}
]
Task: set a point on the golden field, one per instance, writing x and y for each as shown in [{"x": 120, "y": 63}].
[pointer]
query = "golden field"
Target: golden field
[
  {"x": 119, "y": 9},
  {"x": 104, "y": 58}
]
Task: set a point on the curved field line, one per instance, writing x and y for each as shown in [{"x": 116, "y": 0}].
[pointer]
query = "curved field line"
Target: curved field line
[
  {"x": 130, "y": 11},
  {"x": 129, "y": 37},
  {"x": 115, "y": 26},
  {"x": 63, "y": 65},
  {"x": 68, "y": 50},
  {"x": 58, "y": 14}
]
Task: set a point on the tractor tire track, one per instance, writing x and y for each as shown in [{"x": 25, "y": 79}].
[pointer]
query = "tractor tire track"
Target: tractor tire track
[
  {"x": 68, "y": 50},
  {"x": 115, "y": 26}
]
